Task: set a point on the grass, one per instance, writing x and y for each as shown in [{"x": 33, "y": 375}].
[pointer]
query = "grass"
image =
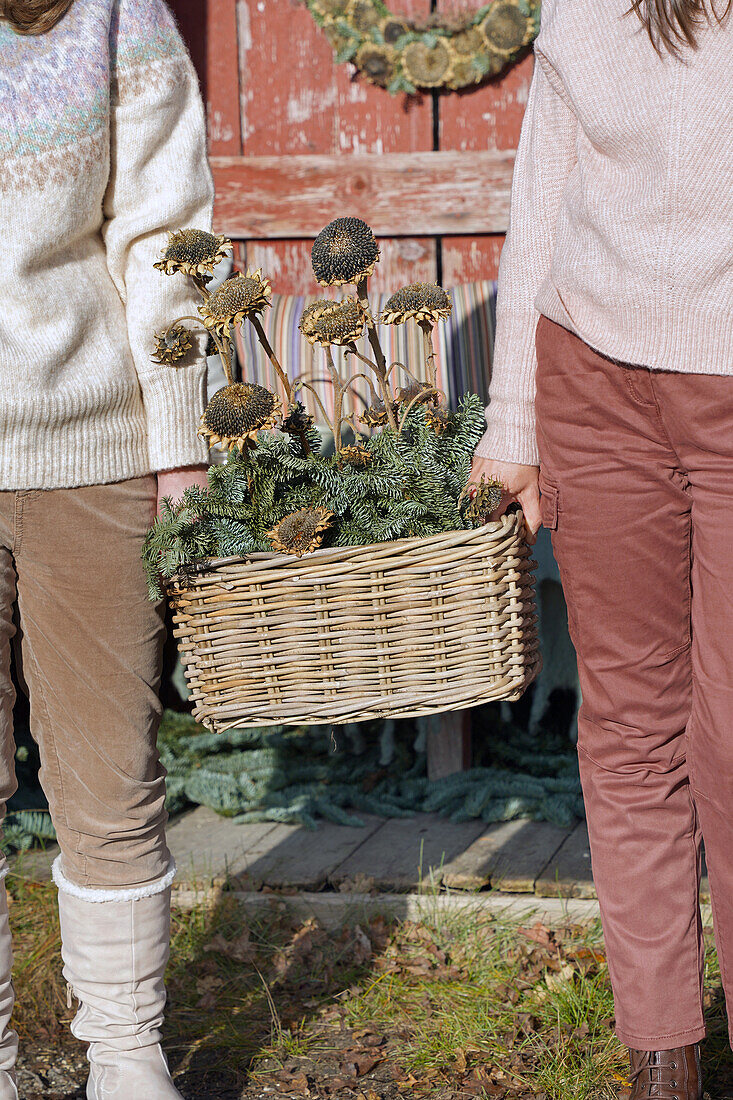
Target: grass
[{"x": 443, "y": 1007}]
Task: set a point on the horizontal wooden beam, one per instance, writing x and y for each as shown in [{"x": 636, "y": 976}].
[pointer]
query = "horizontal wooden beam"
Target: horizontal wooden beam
[{"x": 398, "y": 194}]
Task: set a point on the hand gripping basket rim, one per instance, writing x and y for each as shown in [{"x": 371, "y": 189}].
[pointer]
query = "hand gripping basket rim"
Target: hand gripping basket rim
[{"x": 394, "y": 629}]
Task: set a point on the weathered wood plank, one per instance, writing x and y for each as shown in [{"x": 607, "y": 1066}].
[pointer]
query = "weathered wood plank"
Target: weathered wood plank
[
  {"x": 431, "y": 193},
  {"x": 508, "y": 856},
  {"x": 222, "y": 81},
  {"x": 296, "y": 100},
  {"x": 407, "y": 852},
  {"x": 294, "y": 856},
  {"x": 487, "y": 117},
  {"x": 449, "y": 743},
  {"x": 336, "y": 910},
  {"x": 568, "y": 873},
  {"x": 207, "y": 847}
]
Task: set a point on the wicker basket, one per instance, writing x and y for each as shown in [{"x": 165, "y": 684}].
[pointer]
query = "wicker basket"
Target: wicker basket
[{"x": 410, "y": 627}]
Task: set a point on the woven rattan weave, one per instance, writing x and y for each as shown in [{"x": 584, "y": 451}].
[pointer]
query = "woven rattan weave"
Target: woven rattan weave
[{"x": 410, "y": 627}]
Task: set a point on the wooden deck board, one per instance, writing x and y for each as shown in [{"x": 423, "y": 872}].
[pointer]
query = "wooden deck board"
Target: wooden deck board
[
  {"x": 404, "y": 852},
  {"x": 508, "y": 856},
  {"x": 303, "y": 858},
  {"x": 208, "y": 846},
  {"x": 568, "y": 872}
]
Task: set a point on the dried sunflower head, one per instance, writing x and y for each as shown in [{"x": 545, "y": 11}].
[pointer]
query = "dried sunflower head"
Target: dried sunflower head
[
  {"x": 363, "y": 15},
  {"x": 193, "y": 251},
  {"x": 301, "y": 532},
  {"x": 357, "y": 455},
  {"x": 376, "y": 415},
  {"x": 393, "y": 29},
  {"x": 377, "y": 63},
  {"x": 338, "y": 323},
  {"x": 423, "y": 301},
  {"x": 235, "y": 414},
  {"x": 417, "y": 393},
  {"x": 426, "y": 66},
  {"x": 440, "y": 420},
  {"x": 297, "y": 420},
  {"x": 312, "y": 312},
  {"x": 467, "y": 42},
  {"x": 344, "y": 252},
  {"x": 506, "y": 28},
  {"x": 172, "y": 345},
  {"x": 464, "y": 72},
  {"x": 237, "y": 298},
  {"x": 485, "y": 499}
]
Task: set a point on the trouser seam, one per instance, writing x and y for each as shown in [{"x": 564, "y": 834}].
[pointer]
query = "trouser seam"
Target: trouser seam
[
  {"x": 17, "y": 532},
  {"x": 699, "y": 961},
  {"x": 635, "y": 395}
]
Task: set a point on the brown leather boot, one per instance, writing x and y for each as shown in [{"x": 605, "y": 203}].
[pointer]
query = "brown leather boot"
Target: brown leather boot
[{"x": 666, "y": 1074}]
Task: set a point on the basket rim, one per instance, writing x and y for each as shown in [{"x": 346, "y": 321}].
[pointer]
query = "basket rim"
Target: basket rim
[{"x": 498, "y": 527}]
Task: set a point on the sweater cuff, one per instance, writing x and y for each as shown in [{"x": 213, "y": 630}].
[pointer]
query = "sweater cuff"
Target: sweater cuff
[
  {"x": 508, "y": 438},
  {"x": 174, "y": 400}
]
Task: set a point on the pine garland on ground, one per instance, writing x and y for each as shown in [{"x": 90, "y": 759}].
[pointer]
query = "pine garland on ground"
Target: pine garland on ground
[{"x": 300, "y": 775}]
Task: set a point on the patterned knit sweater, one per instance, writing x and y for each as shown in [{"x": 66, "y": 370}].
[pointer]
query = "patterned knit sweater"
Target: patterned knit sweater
[
  {"x": 102, "y": 149},
  {"x": 621, "y": 224}
]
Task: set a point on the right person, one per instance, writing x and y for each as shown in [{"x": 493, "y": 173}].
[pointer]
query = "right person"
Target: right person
[{"x": 611, "y": 422}]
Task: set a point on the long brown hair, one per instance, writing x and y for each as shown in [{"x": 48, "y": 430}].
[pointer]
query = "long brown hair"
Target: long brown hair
[
  {"x": 33, "y": 16},
  {"x": 673, "y": 24}
]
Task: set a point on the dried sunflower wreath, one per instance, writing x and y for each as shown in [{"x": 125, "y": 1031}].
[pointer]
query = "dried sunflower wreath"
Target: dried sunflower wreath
[
  {"x": 399, "y": 468},
  {"x": 405, "y": 54}
]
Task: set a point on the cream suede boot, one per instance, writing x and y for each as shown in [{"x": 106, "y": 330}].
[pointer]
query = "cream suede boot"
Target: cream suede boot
[
  {"x": 8, "y": 1037},
  {"x": 115, "y": 946}
]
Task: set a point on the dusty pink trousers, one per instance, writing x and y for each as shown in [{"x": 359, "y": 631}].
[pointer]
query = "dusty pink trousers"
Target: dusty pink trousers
[{"x": 636, "y": 477}]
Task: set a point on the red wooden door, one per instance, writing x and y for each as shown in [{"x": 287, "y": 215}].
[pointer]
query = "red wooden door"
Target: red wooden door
[{"x": 296, "y": 140}]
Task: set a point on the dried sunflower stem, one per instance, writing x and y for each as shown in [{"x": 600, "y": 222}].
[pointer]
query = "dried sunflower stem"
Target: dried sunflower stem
[
  {"x": 201, "y": 287},
  {"x": 386, "y": 396},
  {"x": 300, "y": 383},
  {"x": 271, "y": 356},
  {"x": 338, "y": 399},
  {"x": 380, "y": 366},
  {"x": 225, "y": 358},
  {"x": 370, "y": 384},
  {"x": 427, "y": 329}
]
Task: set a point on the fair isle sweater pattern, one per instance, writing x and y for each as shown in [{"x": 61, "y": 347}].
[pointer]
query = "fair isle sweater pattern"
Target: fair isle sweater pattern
[{"x": 68, "y": 130}]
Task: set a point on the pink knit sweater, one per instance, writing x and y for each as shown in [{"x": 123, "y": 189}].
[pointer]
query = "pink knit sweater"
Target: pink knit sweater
[{"x": 621, "y": 225}]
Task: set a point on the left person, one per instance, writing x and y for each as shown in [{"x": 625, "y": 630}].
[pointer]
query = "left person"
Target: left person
[{"x": 102, "y": 150}]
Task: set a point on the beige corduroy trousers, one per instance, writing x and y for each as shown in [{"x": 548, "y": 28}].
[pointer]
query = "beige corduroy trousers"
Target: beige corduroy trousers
[{"x": 90, "y": 650}]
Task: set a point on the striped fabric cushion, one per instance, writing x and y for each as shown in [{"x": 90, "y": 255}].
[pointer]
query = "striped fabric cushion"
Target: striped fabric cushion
[{"x": 464, "y": 346}]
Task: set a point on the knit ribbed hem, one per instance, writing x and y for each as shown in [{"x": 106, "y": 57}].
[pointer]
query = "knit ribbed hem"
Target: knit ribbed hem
[
  {"x": 651, "y": 331},
  {"x": 92, "y": 894},
  {"x": 175, "y": 399},
  {"x": 93, "y": 436},
  {"x": 505, "y": 440}
]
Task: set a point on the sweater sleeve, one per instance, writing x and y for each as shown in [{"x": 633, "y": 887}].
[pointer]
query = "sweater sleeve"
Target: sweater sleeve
[
  {"x": 545, "y": 158},
  {"x": 159, "y": 180}
]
